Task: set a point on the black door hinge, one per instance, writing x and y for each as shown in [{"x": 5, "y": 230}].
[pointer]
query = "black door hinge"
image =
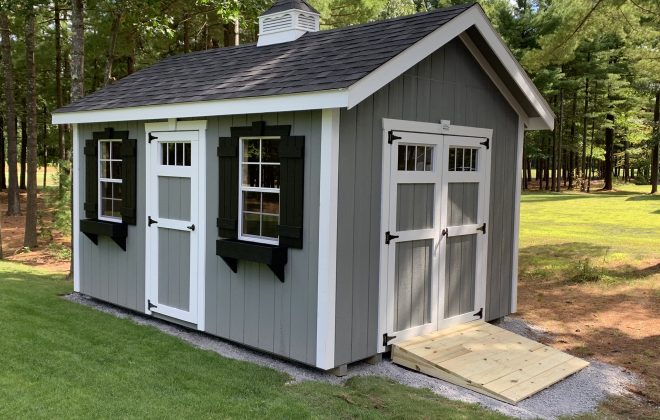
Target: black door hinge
[
  {"x": 152, "y": 137},
  {"x": 387, "y": 338},
  {"x": 391, "y": 137},
  {"x": 389, "y": 237},
  {"x": 150, "y": 305},
  {"x": 480, "y": 314},
  {"x": 191, "y": 227},
  {"x": 486, "y": 143},
  {"x": 150, "y": 221},
  {"x": 482, "y": 228}
]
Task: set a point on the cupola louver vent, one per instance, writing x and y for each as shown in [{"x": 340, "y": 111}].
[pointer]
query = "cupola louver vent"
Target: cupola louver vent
[{"x": 287, "y": 21}]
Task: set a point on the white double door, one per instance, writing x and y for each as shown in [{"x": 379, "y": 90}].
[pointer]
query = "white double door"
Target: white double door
[
  {"x": 173, "y": 224},
  {"x": 436, "y": 233}
]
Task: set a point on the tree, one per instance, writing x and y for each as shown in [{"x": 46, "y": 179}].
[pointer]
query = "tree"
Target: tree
[
  {"x": 13, "y": 203},
  {"x": 77, "y": 49},
  {"x": 30, "y": 237}
]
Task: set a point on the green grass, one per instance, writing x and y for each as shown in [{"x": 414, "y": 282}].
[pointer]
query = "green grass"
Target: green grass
[
  {"x": 63, "y": 360},
  {"x": 614, "y": 231}
]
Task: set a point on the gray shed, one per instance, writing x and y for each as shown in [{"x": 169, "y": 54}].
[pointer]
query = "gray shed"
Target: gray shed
[{"x": 319, "y": 195}]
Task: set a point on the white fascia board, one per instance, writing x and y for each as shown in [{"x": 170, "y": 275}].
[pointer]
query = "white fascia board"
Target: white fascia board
[
  {"x": 327, "y": 263},
  {"x": 76, "y": 236},
  {"x": 474, "y": 16},
  {"x": 254, "y": 105}
]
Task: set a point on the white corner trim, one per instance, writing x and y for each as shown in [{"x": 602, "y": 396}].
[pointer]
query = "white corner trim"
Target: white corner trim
[
  {"x": 76, "y": 208},
  {"x": 254, "y": 105},
  {"x": 516, "y": 216},
  {"x": 327, "y": 264},
  {"x": 488, "y": 69}
]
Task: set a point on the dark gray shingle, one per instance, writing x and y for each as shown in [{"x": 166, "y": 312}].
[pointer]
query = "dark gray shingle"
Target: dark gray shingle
[{"x": 332, "y": 59}]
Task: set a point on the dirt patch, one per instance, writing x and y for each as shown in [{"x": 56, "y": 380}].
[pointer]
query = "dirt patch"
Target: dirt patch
[
  {"x": 51, "y": 249},
  {"x": 614, "y": 323}
]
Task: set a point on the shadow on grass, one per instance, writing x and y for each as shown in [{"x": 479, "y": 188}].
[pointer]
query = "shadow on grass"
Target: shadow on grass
[
  {"x": 644, "y": 197},
  {"x": 568, "y": 250}
]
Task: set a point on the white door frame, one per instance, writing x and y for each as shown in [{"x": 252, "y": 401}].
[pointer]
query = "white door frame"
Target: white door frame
[
  {"x": 199, "y": 298},
  {"x": 444, "y": 128}
]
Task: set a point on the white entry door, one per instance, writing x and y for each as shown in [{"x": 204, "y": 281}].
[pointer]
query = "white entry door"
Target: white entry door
[
  {"x": 435, "y": 221},
  {"x": 463, "y": 250},
  {"x": 173, "y": 224},
  {"x": 413, "y": 235}
]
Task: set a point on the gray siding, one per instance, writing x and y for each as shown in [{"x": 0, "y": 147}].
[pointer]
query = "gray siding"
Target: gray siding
[
  {"x": 448, "y": 85},
  {"x": 106, "y": 271},
  {"x": 252, "y": 306}
]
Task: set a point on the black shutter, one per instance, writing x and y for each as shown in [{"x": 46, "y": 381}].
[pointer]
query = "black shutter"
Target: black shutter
[
  {"x": 129, "y": 181},
  {"x": 228, "y": 214},
  {"x": 292, "y": 174},
  {"x": 91, "y": 179}
]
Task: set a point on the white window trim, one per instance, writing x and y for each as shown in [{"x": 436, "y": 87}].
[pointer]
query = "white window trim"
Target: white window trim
[
  {"x": 100, "y": 180},
  {"x": 242, "y": 188}
]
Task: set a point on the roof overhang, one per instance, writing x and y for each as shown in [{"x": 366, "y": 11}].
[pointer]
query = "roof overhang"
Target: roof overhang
[{"x": 472, "y": 27}]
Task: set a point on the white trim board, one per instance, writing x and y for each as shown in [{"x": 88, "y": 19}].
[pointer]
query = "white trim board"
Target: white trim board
[
  {"x": 356, "y": 93},
  {"x": 516, "y": 216},
  {"x": 327, "y": 263},
  {"x": 76, "y": 236}
]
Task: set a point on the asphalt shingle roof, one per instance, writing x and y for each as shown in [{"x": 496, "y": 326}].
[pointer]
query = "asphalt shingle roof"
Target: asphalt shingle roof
[{"x": 323, "y": 60}]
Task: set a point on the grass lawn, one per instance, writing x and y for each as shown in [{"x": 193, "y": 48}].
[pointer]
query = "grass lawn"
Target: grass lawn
[
  {"x": 63, "y": 360},
  {"x": 590, "y": 274}
]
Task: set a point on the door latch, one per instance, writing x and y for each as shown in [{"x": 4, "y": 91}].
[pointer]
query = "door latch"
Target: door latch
[
  {"x": 191, "y": 227},
  {"x": 482, "y": 228},
  {"x": 389, "y": 237},
  {"x": 151, "y": 221},
  {"x": 445, "y": 232}
]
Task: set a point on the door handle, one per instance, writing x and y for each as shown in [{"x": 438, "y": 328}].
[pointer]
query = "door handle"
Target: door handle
[
  {"x": 445, "y": 232},
  {"x": 191, "y": 227},
  {"x": 151, "y": 221}
]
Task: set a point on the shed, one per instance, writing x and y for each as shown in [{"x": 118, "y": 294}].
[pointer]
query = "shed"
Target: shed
[{"x": 319, "y": 195}]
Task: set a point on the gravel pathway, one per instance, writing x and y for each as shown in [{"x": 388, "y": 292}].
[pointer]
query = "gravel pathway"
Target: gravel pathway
[{"x": 580, "y": 393}]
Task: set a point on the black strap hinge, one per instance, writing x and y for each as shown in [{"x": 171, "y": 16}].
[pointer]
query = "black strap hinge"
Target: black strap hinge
[
  {"x": 152, "y": 137},
  {"x": 150, "y": 305},
  {"x": 387, "y": 338},
  {"x": 391, "y": 137},
  {"x": 150, "y": 221},
  {"x": 389, "y": 237},
  {"x": 480, "y": 314},
  {"x": 482, "y": 228},
  {"x": 486, "y": 143}
]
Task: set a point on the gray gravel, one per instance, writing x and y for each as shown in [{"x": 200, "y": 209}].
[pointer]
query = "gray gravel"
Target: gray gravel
[{"x": 580, "y": 393}]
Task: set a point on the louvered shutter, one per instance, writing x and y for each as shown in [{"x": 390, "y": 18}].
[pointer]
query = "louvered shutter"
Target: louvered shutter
[
  {"x": 129, "y": 181},
  {"x": 292, "y": 174},
  {"x": 91, "y": 179},
  {"x": 228, "y": 212}
]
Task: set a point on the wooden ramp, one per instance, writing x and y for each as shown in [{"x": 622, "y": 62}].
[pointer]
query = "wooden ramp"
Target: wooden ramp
[{"x": 487, "y": 359}]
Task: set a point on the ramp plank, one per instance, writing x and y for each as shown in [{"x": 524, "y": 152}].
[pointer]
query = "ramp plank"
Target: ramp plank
[{"x": 487, "y": 359}]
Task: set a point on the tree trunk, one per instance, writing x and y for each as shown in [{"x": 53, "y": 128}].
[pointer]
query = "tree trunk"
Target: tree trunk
[
  {"x": 609, "y": 151},
  {"x": 110, "y": 55},
  {"x": 30, "y": 238},
  {"x": 583, "y": 160},
  {"x": 591, "y": 156},
  {"x": 561, "y": 136},
  {"x": 58, "y": 79},
  {"x": 3, "y": 158},
  {"x": 655, "y": 166},
  {"x": 13, "y": 203},
  {"x": 77, "y": 79},
  {"x": 24, "y": 142},
  {"x": 44, "y": 136},
  {"x": 77, "y": 50}
]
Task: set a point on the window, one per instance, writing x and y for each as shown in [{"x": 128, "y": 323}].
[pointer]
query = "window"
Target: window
[
  {"x": 175, "y": 153},
  {"x": 463, "y": 159},
  {"x": 110, "y": 180},
  {"x": 418, "y": 158},
  {"x": 259, "y": 189}
]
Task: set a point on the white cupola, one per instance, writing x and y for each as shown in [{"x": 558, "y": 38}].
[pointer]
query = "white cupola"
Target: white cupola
[{"x": 287, "y": 21}]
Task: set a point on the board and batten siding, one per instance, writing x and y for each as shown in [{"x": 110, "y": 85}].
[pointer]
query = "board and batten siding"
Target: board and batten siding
[
  {"x": 252, "y": 306},
  {"x": 447, "y": 85},
  {"x": 106, "y": 271}
]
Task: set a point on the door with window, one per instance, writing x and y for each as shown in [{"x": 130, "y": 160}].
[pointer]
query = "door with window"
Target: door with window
[
  {"x": 464, "y": 248},
  {"x": 173, "y": 204},
  {"x": 413, "y": 236}
]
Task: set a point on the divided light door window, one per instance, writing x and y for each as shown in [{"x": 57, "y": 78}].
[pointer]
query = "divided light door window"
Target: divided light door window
[
  {"x": 259, "y": 189},
  {"x": 110, "y": 180}
]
